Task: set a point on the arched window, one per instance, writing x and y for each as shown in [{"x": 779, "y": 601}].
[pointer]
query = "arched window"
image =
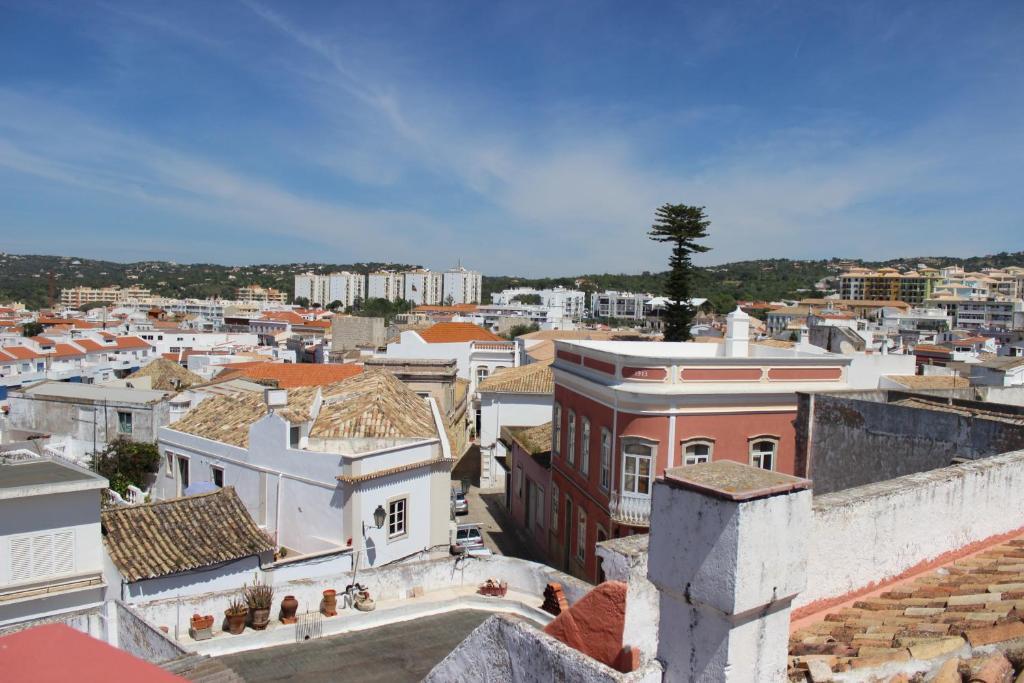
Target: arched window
[
  {"x": 697, "y": 451},
  {"x": 556, "y": 431},
  {"x": 762, "y": 452},
  {"x": 585, "y": 447},
  {"x": 606, "y": 459},
  {"x": 637, "y": 467},
  {"x": 570, "y": 445}
]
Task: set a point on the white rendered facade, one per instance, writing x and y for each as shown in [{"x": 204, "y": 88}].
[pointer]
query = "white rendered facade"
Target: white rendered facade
[
  {"x": 571, "y": 302},
  {"x": 475, "y": 360}
]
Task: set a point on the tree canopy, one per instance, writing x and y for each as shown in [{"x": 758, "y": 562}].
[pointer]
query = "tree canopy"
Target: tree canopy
[{"x": 682, "y": 226}]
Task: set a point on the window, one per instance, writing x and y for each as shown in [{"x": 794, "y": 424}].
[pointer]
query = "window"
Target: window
[
  {"x": 294, "y": 435},
  {"x": 556, "y": 431},
  {"x": 762, "y": 453},
  {"x": 183, "y": 473},
  {"x": 42, "y": 555},
  {"x": 124, "y": 422},
  {"x": 696, "y": 452},
  {"x": 396, "y": 517},
  {"x": 585, "y": 447},
  {"x": 637, "y": 463},
  {"x": 581, "y": 536},
  {"x": 606, "y": 459},
  {"x": 174, "y": 349},
  {"x": 519, "y": 482},
  {"x": 218, "y": 476},
  {"x": 554, "y": 508},
  {"x": 481, "y": 374},
  {"x": 170, "y": 464},
  {"x": 570, "y": 444},
  {"x": 538, "y": 502}
]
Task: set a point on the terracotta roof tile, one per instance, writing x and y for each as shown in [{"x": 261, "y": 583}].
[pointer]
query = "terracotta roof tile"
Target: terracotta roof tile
[
  {"x": 293, "y": 375},
  {"x": 168, "y": 375},
  {"x": 447, "y": 333},
  {"x": 535, "y": 378},
  {"x": 374, "y": 404},
  {"x": 173, "y": 536}
]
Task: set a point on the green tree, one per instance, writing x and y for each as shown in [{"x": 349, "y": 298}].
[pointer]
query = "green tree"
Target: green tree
[
  {"x": 335, "y": 305},
  {"x": 521, "y": 329},
  {"x": 125, "y": 462},
  {"x": 31, "y": 329},
  {"x": 449, "y": 300},
  {"x": 682, "y": 226},
  {"x": 301, "y": 301},
  {"x": 527, "y": 299}
]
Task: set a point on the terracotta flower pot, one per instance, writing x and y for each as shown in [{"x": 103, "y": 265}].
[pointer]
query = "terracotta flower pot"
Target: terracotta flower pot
[
  {"x": 260, "y": 618},
  {"x": 289, "y": 606},
  {"x": 329, "y": 606},
  {"x": 236, "y": 622}
]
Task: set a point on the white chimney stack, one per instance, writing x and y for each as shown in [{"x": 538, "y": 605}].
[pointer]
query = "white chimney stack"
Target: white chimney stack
[{"x": 737, "y": 334}]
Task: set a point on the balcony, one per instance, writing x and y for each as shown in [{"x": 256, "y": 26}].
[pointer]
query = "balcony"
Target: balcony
[{"x": 630, "y": 509}]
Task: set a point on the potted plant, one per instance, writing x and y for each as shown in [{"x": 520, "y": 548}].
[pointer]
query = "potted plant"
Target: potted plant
[
  {"x": 363, "y": 601},
  {"x": 259, "y": 597},
  {"x": 236, "y": 614},
  {"x": 201, "y": 627}
]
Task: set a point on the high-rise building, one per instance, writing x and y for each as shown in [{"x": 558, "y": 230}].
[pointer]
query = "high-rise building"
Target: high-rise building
[
  {"x": 461, "y": 286},
  {"x": 423, "y": 287},
  {"x": 326, "y": 289},
  {"x": 257, "y": 293},
  {"x": 385, "y": 284},
  {"x": 78, "y": 296}
]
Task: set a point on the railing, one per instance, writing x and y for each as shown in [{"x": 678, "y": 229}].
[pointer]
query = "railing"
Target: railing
[
  {"x": 630, "y": 509},
  {"x": 135, "y": 495}
]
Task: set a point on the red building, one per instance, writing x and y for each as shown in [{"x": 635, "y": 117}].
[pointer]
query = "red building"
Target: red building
[{"x": 625, "y": 411}]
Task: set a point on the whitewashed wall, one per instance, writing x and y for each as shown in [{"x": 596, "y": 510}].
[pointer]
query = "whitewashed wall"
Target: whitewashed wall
[
  {"x": 866, "y": 535},
  {"x": 499, "y": 410}
]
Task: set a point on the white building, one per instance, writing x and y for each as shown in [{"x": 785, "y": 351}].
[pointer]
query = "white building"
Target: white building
[
  {"x": 314, "y": 465},
  {"x": 461, "y": 286},
  {"x": 1004, "y": 371},
  {"x": 621, "y": 305},
  {"x": 385, "y": 284},
  {"x": 520, "y": 397},
  {"x": 564, "y": 303},
  {"x": 478, "y": 353},
  {"x": 173, "y": 340},
  {"x": 50, "y": 541},
  {"x": 970, "y": 313},
  {"x": 423, "y": 287},
  {"x": 345, "y": 287}
]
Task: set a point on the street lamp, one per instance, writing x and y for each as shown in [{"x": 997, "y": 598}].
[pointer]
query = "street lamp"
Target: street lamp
[{"x": 379, "y": 516}]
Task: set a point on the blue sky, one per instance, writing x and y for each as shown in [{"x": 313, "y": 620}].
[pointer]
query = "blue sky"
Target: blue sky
[{"x": 529, "y": 138}]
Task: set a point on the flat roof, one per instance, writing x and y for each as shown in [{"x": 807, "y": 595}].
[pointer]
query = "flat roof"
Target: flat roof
[
  {"x": 44, "y": 476},
  {"x": 696, "y": 350},
  {"x": 94, "y": 392}
]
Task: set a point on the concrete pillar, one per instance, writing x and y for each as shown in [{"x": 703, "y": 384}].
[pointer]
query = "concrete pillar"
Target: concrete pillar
[
  {"x": 727, "y": 555},
  {"x": 737, "y": 334}
]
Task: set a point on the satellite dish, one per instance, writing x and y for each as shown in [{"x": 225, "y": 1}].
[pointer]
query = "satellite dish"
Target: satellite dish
[{"x": 846, "y": 347}]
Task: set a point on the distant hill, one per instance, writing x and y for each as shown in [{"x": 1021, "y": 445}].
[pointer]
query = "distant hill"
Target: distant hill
[{"x": 27, "y": 278}]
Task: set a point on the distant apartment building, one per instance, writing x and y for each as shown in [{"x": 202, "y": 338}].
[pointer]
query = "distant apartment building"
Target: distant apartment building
[
  {"x": 385, "y": 284},
  {"x": 912, "y": 287},
  {"x": 461, "y": 286},
  {"x": 571, "y": 302},
  {"x": 423, "y": 287},
  {"x": 969, "y": 313},
  {"x": 345, "y": 287},
  {"x": 622, "y": 305},
  {"x": 79, "y": 296},
  {"x": 257, "y": 293}
]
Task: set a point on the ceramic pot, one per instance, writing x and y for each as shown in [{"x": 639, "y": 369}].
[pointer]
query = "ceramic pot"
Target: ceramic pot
[
  {"x": 329, "y": 606},
  {"x": 289, "y": 606},
  {"x": 260, "y": 618},
  {"x": 236, "y": 622}
]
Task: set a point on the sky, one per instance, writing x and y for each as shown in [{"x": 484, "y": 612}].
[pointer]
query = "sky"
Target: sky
[{"x": 518, "y": 138}]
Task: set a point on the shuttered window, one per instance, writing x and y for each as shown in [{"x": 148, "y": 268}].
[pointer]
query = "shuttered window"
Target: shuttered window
[{"x": 42, "y": 555}]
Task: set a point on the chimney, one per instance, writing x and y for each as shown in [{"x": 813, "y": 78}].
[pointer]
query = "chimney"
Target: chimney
[
  {"x": 737, "y": 334},
  {"x": 275, "y": 398},
  {"x": 728, "y": 549}
]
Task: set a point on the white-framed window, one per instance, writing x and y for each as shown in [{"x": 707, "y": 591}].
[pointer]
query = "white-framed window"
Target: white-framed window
[
  {"x": 217, "y": 475},
  {"x": 697, "y": 451},
  {"x": 556, "y": 431},
  {"x": 124, "y": 422},
  {"x": 637, "y": 466},
  {"x": 606, "y": 459},
  {"x": 585, "y": 447},
  {"x": 169, "y": 463},
  {"x": 554, "y": 507},
  {"x": 581, "y": 536},
  {"x": 398, "y": 509},
  {"x": 538, "y": 509},
  {"x": 183, "y": 474},
  {"x": 570, "y": 444},
  {"x": 38, "y": 556},
  {"x": 481, "y": 374},
  {"x": 762, "y": 452}
]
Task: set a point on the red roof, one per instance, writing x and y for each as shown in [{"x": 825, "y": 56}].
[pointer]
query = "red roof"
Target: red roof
[
  {"x": 284, "y": 317},
  {"x": 21, "y": 352},
  {"x": 66, "y": 351},
  {"x": 447, "y": 333},
  {"x": 56, "y": 653},
  {"x": 90, "y": 345},
  {"x": 456, "y": 308},
  {"x": 132, "y": 343},
  {"x": 292, "y": 375}
]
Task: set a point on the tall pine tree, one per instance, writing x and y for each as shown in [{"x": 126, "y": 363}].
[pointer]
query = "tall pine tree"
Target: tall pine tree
[{"x": 681, "y": 225}]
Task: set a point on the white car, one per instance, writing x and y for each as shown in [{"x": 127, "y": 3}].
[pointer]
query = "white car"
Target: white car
[{"x": 468, "y": 536}]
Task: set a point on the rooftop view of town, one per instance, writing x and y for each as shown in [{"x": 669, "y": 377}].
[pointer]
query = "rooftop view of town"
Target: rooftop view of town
[{"x": 340, "y": 343}]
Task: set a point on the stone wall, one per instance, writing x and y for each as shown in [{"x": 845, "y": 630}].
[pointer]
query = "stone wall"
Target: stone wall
[
  {"x": 853, "y": 439},
  {"x": 869, "y": 535},
  {"x": 141, "y": 640},
  {"x": 350, "y": 332}
]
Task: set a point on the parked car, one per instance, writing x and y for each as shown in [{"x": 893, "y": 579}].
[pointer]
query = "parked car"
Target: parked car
[
  {"x": 468, "y": 536},
  {"x": 459, "y": 503}
]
